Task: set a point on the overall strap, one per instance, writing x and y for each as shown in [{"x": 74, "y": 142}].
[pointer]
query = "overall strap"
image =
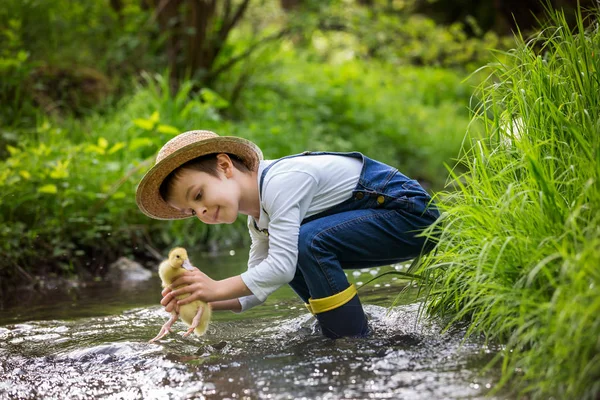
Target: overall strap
[
  {"x": 260, "y": 186},
  {"x": 354, "y": 154},
  {"x": 304, "y": 153}
]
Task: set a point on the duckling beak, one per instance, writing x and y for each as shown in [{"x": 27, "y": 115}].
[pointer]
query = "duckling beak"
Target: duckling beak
[{"x": 187, "y": 265}]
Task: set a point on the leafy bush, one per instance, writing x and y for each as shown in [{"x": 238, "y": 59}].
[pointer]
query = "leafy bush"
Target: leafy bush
[
  {"x": 67, "y": 193},
  {"x": 52, "y": 47},
  {"x": 15, "y": 69},
  {"x": 520, "y": 249},
  {"x": 400, "y": 37},
  {"x": 67, "y": 189}
]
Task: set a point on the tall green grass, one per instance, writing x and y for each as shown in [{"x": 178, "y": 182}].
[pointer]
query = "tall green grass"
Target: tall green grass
[{"x": 519, "y": 254}]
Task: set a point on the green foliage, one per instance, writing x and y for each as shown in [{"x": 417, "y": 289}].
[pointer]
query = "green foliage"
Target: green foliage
[
  {"x": 397, "y": 36},
  {"x": 51, "y": 50},
  {"x": 48, "y": 48},
  {"x": 15, "y": 68},
  {"x": 520, "y": 249},
  {"x": 67, "y": 193},
  {"x": 67, "y": 189},
  {"x": 85, "y": 33},
  {"x": 412, "y": 118}
]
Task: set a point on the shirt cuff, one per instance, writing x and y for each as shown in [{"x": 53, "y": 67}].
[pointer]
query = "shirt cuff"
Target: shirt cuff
[
  {"x": 248, "y": 302},
  {"x": 254, "y": 288}
]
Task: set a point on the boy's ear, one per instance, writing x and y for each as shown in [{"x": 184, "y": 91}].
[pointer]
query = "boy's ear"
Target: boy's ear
[{"x": 225, "y": 164}]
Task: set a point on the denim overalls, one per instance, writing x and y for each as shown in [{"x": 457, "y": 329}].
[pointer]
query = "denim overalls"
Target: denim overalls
[{"x": 376, "y": 226}]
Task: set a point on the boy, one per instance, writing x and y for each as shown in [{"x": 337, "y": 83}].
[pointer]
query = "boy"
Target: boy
[{"x": 310, "y": 216}]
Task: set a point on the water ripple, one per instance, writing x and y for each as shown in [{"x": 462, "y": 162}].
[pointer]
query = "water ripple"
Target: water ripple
[{"x": 262, "y": 358}]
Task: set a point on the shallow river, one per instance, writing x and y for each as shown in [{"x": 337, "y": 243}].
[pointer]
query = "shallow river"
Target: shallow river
[{"x": 92, "y": 343}]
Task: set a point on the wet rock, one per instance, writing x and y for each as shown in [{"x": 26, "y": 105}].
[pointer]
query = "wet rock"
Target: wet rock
[
  {"x": 219, "y": 345},
  {"x": 381, "y": 353},
  {"x": 409, "y": 340},
  {"x": 211, "y": 348},
  {"x": 50, "y": 283},
  {"x": 125, "y": 269}
]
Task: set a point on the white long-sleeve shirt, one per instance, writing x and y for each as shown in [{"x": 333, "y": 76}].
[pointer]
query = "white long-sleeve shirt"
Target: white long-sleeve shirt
[{"x": 293, "y": 189}]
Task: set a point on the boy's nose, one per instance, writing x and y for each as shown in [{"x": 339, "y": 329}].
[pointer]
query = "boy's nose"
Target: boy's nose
[{"x": 202, "y": 213}]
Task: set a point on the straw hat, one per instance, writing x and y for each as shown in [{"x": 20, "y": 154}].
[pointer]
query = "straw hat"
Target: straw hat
[{"x": 176, "y": 152}]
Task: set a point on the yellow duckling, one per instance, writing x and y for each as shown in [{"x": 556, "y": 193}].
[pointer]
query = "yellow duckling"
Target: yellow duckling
[{"x": 196, "y": 314}]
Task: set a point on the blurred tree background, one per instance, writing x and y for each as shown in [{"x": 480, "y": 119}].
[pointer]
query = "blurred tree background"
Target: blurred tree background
[{"x": 90, "y": 90}]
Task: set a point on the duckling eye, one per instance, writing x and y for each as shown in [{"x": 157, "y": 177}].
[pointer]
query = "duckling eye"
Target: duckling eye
[{"x": 177, "y": 256}]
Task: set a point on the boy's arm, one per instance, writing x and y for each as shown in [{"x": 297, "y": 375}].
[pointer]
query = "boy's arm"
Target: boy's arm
[
  {"x": 201, "y": 287},
  {"x": 226, "y": 305},
  {"x": 286, "y": 199},
  {"x": 230, "y": 286},
  {"x": 234, "y": 305}
]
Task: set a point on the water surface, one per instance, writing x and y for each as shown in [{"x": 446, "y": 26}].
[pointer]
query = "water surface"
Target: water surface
[{"x": 92, "y": 343}]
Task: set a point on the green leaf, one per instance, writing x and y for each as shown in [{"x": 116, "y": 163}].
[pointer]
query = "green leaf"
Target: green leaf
[
  {"x": 22, "y": 56},
  {"x": 60, "y": 171},
  {"x": 145, "y": 124},
  {"x": 12, "y": 150},
  {"x": 192, "y": 105},
  {"x": 168, "y": 129},
  {"x": 50, "y": 189},
  {"x": 103, "y": 143},
  {"x": 4, "y": 174},
  {"x": 213, "y": 99},
  {"x": 155, "y": 117},
  {"x": 140, "y": 142},
  {"x": 116, "y": 147},
  {"x": 59, "y": 174},
  {"x": 92, "y": 148}
]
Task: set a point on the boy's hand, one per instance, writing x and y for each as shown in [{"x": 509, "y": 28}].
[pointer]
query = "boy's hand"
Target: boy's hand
[
  {"x": 201, "y": 287},
  {"x": 195, "y": 282},
  {"x": 172, "y": 304}
]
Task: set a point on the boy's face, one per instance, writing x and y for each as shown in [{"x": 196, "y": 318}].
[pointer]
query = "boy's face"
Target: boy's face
[{"x": 213, "y": 200}]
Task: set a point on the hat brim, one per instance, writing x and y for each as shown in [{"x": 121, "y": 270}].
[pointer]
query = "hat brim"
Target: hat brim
[{"x": 148, "y": 196}]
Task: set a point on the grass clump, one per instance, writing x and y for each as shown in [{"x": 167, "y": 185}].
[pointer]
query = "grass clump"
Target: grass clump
[{"x": 519, "y": 254}]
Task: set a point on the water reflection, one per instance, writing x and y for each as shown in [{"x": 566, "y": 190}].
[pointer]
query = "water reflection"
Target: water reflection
[{"x": 272, "y": 352}]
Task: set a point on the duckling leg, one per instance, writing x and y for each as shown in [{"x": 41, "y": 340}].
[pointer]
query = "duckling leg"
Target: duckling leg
[
  {"x": 195, "y": 321},
  {"x": 166, "y": 328}
]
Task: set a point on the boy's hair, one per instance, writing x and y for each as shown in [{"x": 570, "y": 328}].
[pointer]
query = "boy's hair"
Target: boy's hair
[{"x": 207, "y": 163}]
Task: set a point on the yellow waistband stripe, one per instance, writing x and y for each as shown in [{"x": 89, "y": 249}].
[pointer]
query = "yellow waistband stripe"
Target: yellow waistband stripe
[{"x": 317, "y": 306}]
